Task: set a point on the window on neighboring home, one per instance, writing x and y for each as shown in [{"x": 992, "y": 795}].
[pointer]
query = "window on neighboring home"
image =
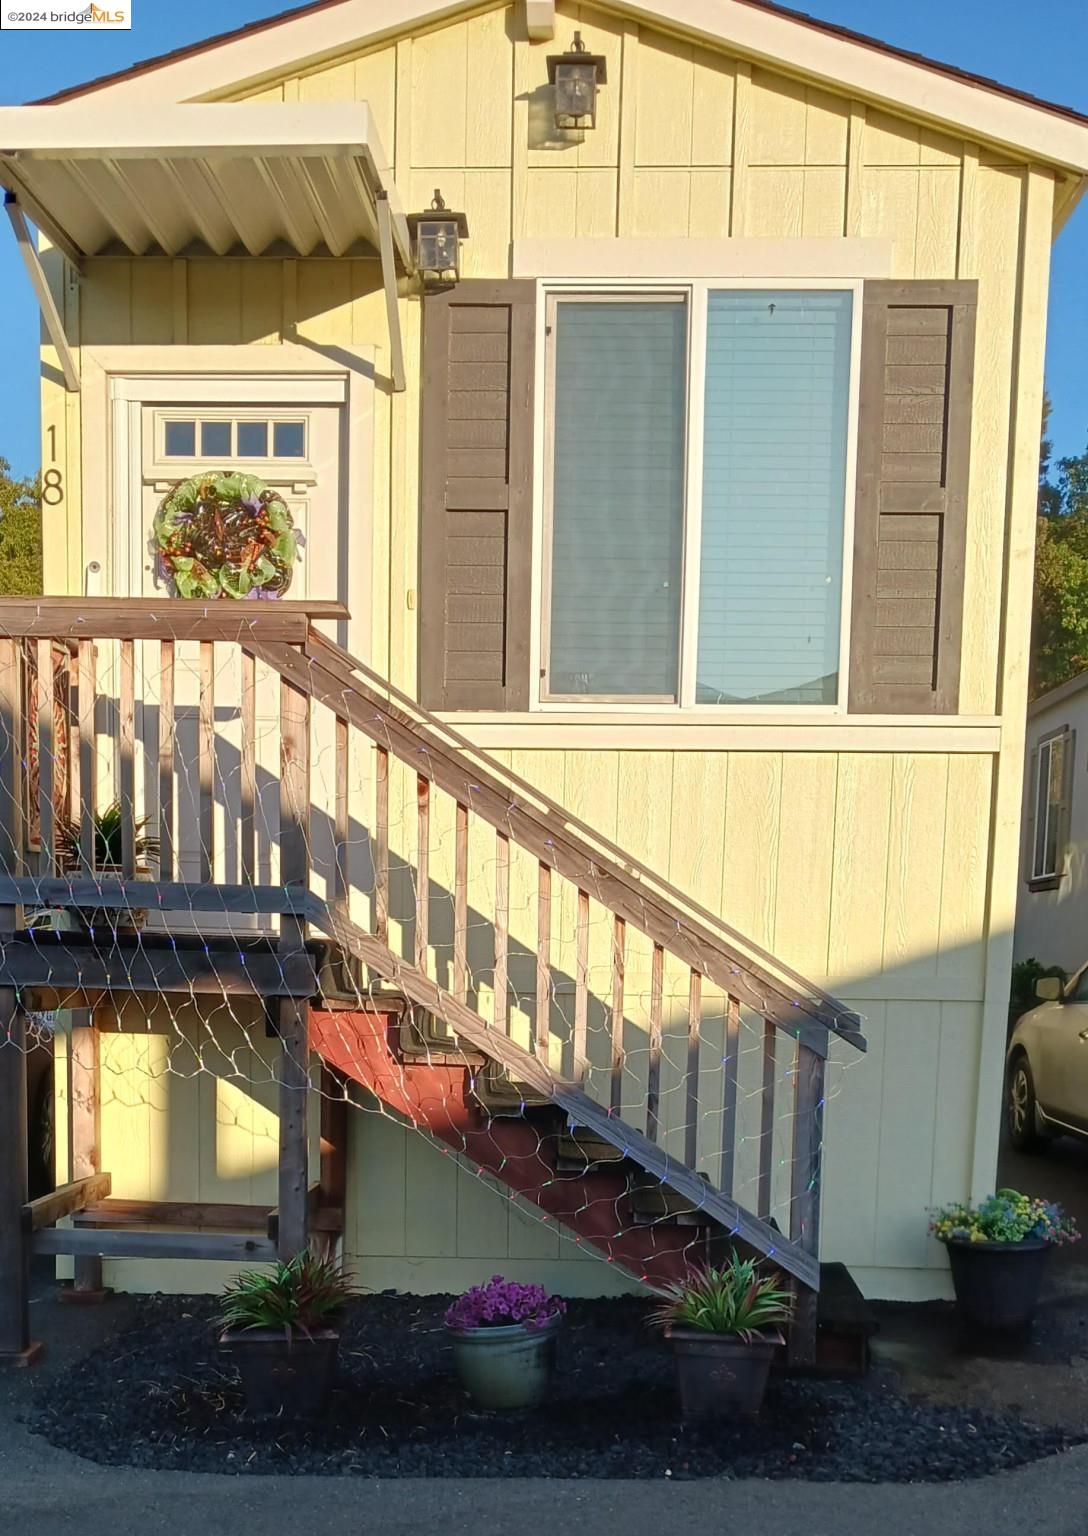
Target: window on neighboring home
[
  {"x": 697, "y": 496},
  {"x": 1050, "y": 787}
]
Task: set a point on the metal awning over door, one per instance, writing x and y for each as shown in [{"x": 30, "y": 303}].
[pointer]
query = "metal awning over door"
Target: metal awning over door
[
  {"x": 228, "y": 179},
  {"x": 256, "y": 179}
]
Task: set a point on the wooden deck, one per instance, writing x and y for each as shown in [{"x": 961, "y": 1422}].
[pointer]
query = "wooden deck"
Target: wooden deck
[{"x": 75, "y": 677}]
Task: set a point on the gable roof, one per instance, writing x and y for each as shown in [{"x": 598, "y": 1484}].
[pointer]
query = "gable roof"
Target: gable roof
[{"x": 853, "y": 62}]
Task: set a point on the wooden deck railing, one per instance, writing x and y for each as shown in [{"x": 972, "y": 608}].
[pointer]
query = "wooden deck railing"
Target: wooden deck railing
[{"x": 100, "y": 684}]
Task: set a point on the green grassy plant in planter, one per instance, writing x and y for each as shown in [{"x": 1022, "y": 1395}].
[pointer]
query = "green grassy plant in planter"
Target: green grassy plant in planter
[
  {"x": 723, "y": 1325},
  {"x": 998, "y": 1252},
  {"x": 109, "y": 863},
  {"x": 504, "y": 1342},
  {"x": 280, "y": 1328}
]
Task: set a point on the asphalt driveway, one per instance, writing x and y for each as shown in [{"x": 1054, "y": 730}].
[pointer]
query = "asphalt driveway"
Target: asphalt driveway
[
  {"x": 51, "y": 1493},
  {"x": 1058, "y": 1171}
]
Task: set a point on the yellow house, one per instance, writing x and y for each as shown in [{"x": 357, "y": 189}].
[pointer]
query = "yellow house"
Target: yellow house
[{"x": 699, "y": 494}]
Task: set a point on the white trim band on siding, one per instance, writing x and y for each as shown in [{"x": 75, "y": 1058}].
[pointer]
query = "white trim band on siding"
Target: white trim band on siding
[
  {"x": 794, "y": 261},
  {"x": 682, "y": 733}
]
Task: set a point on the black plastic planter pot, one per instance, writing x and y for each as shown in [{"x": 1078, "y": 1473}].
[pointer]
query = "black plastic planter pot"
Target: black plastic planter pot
[
  {"x": 283, "y": 1378},
  {"x": 720, "y": 1376},
  {"x": 997, "y": 1284}
]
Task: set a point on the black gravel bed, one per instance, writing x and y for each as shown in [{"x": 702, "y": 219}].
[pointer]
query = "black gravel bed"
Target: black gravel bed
[{"x": 158, "y": 1395}]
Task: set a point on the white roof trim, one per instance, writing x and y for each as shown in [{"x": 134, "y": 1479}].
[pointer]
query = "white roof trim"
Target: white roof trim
[
  {"x": 251, "y": 177},
  {"x": 1059, "y": 694},
  {"x": 842, "y": 63},
  {"x": 871, "y": 74}
]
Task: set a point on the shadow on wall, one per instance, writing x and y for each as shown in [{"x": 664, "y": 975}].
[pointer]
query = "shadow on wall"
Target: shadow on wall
[
  {"x": 900, "y": 1125},
  {"x": 902, "y": 1132}
]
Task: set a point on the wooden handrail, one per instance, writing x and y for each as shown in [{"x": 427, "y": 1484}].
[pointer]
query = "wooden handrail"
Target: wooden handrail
[
  {"x": 519, "y": 810},
  {"x": 65, "y": 1201},
  {"x": 271, "y": 631},
  {"x": 319, "y": 646},
  {"x": 165, "y": 618},
  {"x": 798, "y": 1257},
  {"x": 55, "y": 658}
]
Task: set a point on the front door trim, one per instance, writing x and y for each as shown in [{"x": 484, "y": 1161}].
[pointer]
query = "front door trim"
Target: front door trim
[
  {"x": 118, "y": 381},
  {"x": 129, "y": 395}
]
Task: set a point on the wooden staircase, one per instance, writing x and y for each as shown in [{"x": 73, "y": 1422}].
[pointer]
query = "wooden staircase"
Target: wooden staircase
[{"x": 523, "y": 1062}]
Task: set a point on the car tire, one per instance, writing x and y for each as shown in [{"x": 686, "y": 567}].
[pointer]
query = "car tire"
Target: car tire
[{"x": 1021, "y": 1107}]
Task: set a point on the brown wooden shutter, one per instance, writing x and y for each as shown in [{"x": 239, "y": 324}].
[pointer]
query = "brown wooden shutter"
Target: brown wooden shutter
[
  {"x": 476, "y": 479},
  {"x": 910, "y": 522}
]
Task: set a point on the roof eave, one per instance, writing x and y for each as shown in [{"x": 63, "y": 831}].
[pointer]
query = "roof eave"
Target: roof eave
[{"x": 862, "y": 68}]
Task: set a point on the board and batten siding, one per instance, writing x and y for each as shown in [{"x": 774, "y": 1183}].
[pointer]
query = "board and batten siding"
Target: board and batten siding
[{"x": 871, "y": 863}]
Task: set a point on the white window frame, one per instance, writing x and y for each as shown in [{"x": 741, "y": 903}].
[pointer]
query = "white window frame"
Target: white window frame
[
  {"x": 160, "y": 462},
  {"x": 1044, "y": 752},
  {"x": 695, "y": 293}
]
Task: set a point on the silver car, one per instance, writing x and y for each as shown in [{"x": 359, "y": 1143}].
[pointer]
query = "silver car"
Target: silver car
[{"x": 1047, "y": 1065}]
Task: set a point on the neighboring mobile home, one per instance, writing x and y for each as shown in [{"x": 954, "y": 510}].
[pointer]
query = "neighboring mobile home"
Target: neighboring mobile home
[
  {"x": 704, "y": 501},
  {"x": 1052, "y": 909}
]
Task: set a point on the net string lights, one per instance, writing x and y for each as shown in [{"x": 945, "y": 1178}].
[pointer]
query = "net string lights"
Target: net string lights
[{"x": 560, "y": 1023}]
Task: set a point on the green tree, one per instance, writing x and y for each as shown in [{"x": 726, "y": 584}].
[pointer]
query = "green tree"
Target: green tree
[
  {"x": 20, "y": 535},
  {"x": 1049, "y": 500},
  {"x": 1060, "y": 631}
]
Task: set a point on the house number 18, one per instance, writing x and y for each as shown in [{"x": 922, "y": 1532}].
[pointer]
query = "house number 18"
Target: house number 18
[{"x": 52, "y": 480}]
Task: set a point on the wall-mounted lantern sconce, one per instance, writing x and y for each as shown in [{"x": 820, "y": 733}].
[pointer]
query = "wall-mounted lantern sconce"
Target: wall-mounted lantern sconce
[
  {"x": 436, "y": 243},
  {"x": 575, "y": 76}
]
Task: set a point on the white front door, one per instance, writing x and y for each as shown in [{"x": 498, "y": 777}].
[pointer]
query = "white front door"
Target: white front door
[{"x": 290, "y": 438}]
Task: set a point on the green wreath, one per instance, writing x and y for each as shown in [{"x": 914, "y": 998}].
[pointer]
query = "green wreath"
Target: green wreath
[{"x": 225, "y": 535}]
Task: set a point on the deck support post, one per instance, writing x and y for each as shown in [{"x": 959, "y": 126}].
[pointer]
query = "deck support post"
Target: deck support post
[
  {"x": 293, "y": 1027},
  {"x": 84, "y": 1141},
  {"x": 293, "y": 1014},
  {"x": 15, "y": 1344},
  {"x": 334, "y": 1147},
  {"x": 808, "y": 1134}
]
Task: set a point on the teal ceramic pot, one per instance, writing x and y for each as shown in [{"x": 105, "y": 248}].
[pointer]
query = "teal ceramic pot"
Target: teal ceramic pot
[{"x": 505, "y": 1367}]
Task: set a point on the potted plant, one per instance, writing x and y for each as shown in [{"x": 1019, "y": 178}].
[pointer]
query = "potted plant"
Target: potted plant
[
  {"x": 504, "y": 1342},
  {"x": 279, "y": 1327},
  {"x": 998, "y": 1252},
  {"x": 109, "y": 861},
  {"x": 724, "y": 1327}
]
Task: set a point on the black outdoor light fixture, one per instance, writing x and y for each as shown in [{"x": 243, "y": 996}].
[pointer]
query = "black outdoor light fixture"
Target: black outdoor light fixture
[
  {"x": 436, "y": 242},
  {"x": 575, "y": 75}
]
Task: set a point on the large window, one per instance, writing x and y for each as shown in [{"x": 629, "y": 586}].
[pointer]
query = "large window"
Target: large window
[
  {"x": 617, "y": 521},
  {"x": 696, "y": 506}
]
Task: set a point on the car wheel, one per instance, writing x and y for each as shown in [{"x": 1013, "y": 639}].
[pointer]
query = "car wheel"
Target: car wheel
[{"x": 1021, "y": 1109}]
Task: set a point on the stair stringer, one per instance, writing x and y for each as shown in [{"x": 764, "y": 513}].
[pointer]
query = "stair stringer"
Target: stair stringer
[
  {"x": 437, "y": 1099},
  {"x": 523, "y": 1066}
]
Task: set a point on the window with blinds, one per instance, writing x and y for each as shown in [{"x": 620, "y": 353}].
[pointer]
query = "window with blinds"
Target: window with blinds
[
  {"x": 774, "y": 486},
  {"x": 723, "y": 586},
  {"x": 617, "y": 499}
]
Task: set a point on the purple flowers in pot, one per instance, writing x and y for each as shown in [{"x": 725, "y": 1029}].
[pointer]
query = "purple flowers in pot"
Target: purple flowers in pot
[{"x": 504, "y": 1304}]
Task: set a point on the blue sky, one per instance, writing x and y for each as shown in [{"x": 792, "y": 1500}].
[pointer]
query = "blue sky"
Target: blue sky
[{"x": 1042, "y": 49}]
